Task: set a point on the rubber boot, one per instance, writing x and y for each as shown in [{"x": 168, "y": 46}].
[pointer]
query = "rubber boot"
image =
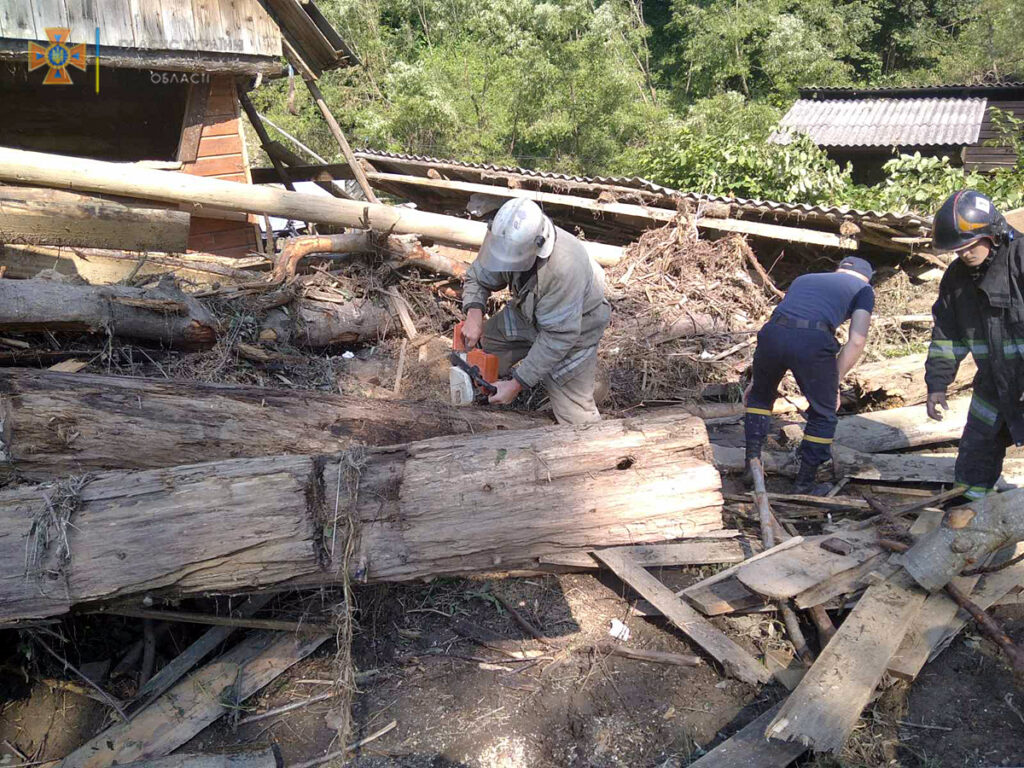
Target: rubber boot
[
  {"x": 806, "y": 483},
  {"x": 755, "y": 430}
]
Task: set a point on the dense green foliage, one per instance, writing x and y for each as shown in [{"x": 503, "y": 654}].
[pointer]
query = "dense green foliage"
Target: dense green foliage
[{"x": 685, "y": 92}]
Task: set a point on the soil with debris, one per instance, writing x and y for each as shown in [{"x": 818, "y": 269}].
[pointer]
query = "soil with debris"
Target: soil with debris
[{"x": 460, "y": 703}]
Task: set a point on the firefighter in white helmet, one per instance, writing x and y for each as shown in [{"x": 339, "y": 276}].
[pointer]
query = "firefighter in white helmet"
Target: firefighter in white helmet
[{"x": 549, "y": 330}]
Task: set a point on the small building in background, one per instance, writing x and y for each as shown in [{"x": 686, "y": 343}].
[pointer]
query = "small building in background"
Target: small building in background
[
  {"x": 166, "y": 91},
  {"x": 869, "y": 126}
]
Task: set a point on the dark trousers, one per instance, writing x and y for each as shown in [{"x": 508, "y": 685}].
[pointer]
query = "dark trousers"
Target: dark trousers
[
  {"x": 979, "y": 459},
  {"x": 811, "y": 355}
]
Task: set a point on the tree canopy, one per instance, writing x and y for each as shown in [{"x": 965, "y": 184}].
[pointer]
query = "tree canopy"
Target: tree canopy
[{"x": 682, "y": 91}]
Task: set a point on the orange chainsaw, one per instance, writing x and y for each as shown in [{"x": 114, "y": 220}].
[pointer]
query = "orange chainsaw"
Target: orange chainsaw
[{"x": 473, "y": 373}]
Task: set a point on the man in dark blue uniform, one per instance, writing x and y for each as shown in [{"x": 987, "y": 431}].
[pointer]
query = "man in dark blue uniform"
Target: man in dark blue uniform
[{"x": 800, "y": 337}]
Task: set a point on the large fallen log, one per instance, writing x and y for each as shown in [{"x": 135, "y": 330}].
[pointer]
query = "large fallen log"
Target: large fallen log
[
  {"x": 899, "y": 428},
  {"x": 162, "y": 314},
  {"x": 404, "y": 250},
  {"x": 442, "y": 506},
  {"x": 103, "y": 266},
  {"x": 53, "y": 217},
  {"x": 319, "y": 324},
  {"x": 900, "y": 381},
  {"x": 55, "y": 423},
  {"x": 967, "y": 535},
  {"x": 80, "y": 174}
]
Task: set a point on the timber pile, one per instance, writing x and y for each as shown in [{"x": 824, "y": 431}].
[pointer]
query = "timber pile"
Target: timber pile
[{"x": 200, "y": 435}]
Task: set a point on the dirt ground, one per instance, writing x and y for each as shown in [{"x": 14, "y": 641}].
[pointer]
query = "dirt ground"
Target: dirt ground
[{"x": 460, "y": 703}]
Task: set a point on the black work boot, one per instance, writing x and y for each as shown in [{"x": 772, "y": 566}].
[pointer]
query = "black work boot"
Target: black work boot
[
  {"x": 806, "y": 483},
  {"x": 755, "y": 430}
]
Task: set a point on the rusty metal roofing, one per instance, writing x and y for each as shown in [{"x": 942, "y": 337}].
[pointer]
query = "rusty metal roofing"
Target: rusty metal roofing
[
  {"x": 889, "y": 122},
  {"x": 746, "y": 205}
]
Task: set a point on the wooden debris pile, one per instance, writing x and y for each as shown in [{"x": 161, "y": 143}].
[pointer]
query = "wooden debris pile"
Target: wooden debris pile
[
  {"x": 680, "y": 304},
  {"x": 126, "y": 495}
]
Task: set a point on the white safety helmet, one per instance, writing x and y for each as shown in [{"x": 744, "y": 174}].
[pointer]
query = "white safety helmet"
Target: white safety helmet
[{"x": 519, "y": 235}]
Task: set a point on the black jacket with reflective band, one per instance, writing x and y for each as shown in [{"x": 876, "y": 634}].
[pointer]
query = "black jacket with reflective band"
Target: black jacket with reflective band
[{"x": 985, "y": 317}]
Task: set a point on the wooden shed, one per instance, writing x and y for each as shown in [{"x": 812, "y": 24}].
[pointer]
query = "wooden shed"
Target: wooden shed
[
  {"x": 159, "y": 84},
  {"x": 868, "y": 126}
]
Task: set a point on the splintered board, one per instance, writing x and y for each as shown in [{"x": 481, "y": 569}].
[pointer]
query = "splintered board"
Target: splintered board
[
  {"x": 736, "y": 661},
  {"x": 800, "y": 568},
  {"x": 827, "y": 703},
  {"x": 748, "y": 748}
]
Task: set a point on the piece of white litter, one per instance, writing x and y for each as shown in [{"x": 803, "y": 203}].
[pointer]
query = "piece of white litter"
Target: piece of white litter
[
  {"x": 619, "y": 630},
  {"x": 348, "y": 355}
]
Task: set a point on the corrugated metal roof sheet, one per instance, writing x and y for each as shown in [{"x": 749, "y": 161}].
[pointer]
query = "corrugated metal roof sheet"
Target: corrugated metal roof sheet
[
  {"x": 949, "y": 90},
  {"x": 884, "y": 122},
  {"x": 755, "y": 207}
]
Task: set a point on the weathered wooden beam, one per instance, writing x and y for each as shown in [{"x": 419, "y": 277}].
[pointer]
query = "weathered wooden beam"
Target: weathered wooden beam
[
  {"x": 646, "y": 213},
  {"x": 899, "y": 428},
  {"x": 103, "y": 266},
  {"x": 39, "y": 216},
  {"x": 56, "y": 422},
  {"x": 61, "y": 172},
  {"x": 441, "y": 506}
]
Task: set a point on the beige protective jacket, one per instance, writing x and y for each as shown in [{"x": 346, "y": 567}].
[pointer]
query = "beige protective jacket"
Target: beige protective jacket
[{"x": 558, "y": 306}]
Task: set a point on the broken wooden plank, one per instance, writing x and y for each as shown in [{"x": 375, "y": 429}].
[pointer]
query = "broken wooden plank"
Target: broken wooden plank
[
  {"x": 688, "y": 553},
  {"x": 263, "y": 758},
  {"x": 801, "y": 568},
  {"x": 827, "y": 703},
  {"x": 678, "y": 553},
  {"x": 180, "y": 665},
  {"x": 748, "y": 748},
  {"x": 735, "y": 660},
  {"x": 723, "y": 593},
  {"x": 842, "y": 583},
  {"x": 194, "y": 703},
  {"x": 928, "y": 629}
]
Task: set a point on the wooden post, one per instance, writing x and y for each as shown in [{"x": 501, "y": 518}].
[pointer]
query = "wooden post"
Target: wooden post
[
  {"x": 265, "y": 141},
  {"x": 346, "y": 150}
]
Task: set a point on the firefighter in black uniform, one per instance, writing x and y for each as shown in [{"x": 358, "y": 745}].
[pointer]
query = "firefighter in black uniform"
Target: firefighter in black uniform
[
  {"x": 980, "y": 310},
  {"x": 800, "y": 337}
]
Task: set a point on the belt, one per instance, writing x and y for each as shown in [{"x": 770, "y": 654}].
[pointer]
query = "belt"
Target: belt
[{"x": 792, "y": 322}]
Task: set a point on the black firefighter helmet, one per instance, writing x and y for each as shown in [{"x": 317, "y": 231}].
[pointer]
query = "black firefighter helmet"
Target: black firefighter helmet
[{"x": 966, "y": 217}]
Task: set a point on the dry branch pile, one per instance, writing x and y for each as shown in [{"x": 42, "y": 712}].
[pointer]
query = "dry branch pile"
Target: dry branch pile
[{"x": 678, "y": 301}]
